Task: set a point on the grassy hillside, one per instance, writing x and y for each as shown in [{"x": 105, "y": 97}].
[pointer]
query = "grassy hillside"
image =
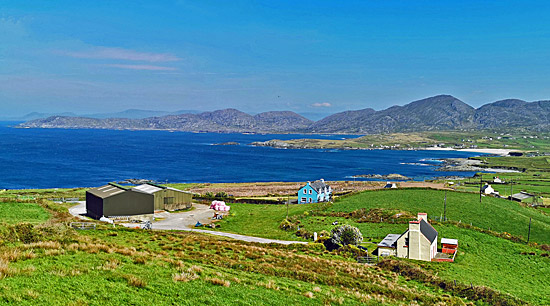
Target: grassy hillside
[
  {"x": 494, "y": 214},
  {"x": 449, "y": 139},
  {"x": 49, "y": 263},
  {"x": 121, "y": 266},
  {"x": 488, "y": 255}
]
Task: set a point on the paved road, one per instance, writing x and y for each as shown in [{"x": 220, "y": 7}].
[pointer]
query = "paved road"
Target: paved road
[{"x": 184, "y": 221}]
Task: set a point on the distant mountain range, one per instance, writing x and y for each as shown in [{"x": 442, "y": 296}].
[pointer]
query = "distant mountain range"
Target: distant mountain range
[
  {"x": 441, "y": 112},
  {"x": 127, "y": 114}
]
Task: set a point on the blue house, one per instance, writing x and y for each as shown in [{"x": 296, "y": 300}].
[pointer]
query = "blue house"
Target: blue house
[{"x": 315, "y": 192}]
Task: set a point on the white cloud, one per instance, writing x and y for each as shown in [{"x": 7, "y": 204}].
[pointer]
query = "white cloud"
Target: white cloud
[
  {"x": 142, "y": 67},
  {"x": 122, "y": 54},
  {"x": 324, "y": 104}
]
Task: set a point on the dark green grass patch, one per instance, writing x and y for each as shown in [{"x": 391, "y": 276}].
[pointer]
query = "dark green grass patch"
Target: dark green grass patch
[
  {"x": 22, "y": 212},
  {"x": 262, "y": 220}
]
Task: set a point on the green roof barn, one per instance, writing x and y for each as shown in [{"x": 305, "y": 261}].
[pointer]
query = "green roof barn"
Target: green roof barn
[{"x": 113, "y": 200}]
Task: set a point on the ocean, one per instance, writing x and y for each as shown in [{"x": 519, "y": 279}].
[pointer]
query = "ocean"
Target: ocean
[{"x": 48, "y": 158}]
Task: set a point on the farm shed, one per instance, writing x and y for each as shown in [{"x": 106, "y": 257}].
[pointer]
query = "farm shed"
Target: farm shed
[
  {"x": 387, "y": 247},
  {"x": 449, "y": 246},
  {"x": 521, "y": 196},
  {"x": 114, "y": 201},
  {"x": 167, "y": 198}
]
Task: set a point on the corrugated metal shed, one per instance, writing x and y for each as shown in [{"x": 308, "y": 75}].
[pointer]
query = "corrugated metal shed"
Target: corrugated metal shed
[
  {"x": 449, "y": 241},
  {"x": 150, "y": 189},
  {"x": 389, "y": 241},
  {"x": 106, "y": 191}
]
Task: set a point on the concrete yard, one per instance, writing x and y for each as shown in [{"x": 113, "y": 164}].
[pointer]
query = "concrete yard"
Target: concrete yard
[{"x": 185, "y": 221}]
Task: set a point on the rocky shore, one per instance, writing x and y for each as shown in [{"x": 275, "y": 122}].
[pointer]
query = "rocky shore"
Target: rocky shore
[
  {"x": 468, "y": 165},
  {"x": 387, "y": 177}
]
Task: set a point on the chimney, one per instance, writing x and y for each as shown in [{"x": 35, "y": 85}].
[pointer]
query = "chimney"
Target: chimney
[{"x": 422, "y": 216}]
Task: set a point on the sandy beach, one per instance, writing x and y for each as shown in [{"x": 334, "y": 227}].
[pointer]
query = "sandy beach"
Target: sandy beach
[{"x": 501, "y": 152}]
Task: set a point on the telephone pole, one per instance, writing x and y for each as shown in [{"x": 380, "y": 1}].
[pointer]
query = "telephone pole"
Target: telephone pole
[
  {"x": 445, "y": 207},
  {"x": 529, "y": 234},
  {"x": 287, "y": 202},
  {"x": 511, "y": 188},
  {"x": 480, "y": 186}
]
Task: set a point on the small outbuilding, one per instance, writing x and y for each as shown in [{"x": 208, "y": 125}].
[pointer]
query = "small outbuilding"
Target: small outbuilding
[
  {"x": 487, "y": 189},
  {"x": 167, "y": 198},
  {"x": 521, "y": 196},
  {"x": 387, "y": 247},
  {"x": 449, "y": 246},
  {"x": 390, "y": 185},
  {"x": 115, "y": 201}
]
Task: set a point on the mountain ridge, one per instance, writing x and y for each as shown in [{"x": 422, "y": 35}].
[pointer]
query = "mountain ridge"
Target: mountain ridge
[{"x": 441, "y": 112}]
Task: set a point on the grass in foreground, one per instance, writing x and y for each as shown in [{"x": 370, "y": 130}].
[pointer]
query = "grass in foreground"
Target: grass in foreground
[{"x": 121, "y": 266}]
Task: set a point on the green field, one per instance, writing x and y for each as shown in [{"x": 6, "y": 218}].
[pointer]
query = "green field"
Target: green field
[
  {"x": 448, "y": 139},
  {"x": 13, "y": 212},
  {"x": 121, "y": 266},
  {"x": 60, "y": 266},
  {"x": 485, "y": 259},
  {"x": 261, "y": 220}
]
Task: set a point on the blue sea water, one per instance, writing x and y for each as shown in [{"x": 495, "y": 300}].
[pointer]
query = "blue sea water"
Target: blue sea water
[{"x": 45, "y": 158}]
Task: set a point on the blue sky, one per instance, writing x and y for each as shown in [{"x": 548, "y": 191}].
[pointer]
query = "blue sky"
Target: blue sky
[{"x": 304, "y": 56}]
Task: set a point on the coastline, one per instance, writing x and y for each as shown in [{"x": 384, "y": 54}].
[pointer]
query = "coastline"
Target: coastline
[{"x": 501, "y": 152}]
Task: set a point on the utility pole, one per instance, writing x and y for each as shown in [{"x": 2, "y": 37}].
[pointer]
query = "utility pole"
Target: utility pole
[
  {"x": 445, "y": 207},
  {"x": 511, "y": 188},
  {"x": 480, "y": 186},
  {"x": 529, "y": 234},
  {"x": 287, "y": 202}
]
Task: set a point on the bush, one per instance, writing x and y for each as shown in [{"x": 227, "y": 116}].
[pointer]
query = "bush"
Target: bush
[
  {"x": 346, "y": 234},
  {"x": 221, "y": 194},
  {"x": 286, "y": 225},
  {"x": 304, "y": 234},
  {"x": 323, "y": 234},
  {"x": 330, "y": 245}
]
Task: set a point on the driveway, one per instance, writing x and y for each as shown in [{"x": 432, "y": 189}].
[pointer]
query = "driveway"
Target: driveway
[
  {"x": 79, "y": 210},
  {"x": 185, "y": 221}
]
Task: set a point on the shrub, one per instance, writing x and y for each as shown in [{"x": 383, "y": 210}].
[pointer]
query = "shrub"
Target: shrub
[
  {"x": 304, "y": 234},
  {"x": 221, "y": 194},
  {"x": 286, "y": 225},
  {"x": 330, "y": 245},
  {"x": 346, "y": 234}
]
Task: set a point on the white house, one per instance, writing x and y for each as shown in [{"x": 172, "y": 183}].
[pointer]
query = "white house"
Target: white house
[{"x": 419, "y": 241}]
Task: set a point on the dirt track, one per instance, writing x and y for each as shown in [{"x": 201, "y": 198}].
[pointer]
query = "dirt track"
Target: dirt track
[{"x": 283, "y": 188}]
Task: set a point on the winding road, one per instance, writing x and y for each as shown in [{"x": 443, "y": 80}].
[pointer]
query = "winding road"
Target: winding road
[{"x": 184, "y": 221}]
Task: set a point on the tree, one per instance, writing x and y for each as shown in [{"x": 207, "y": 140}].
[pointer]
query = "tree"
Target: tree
[{"x": 346, "y": 234}]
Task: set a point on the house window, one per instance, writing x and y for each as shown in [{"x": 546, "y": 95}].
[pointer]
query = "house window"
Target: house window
[
  {"x": 406, "y": 242},
  {"x": 310, "y": 200},
  {"x": 168, "y": 200},
  {"x": 310, "y": 191},
  {"x": 303, "y": 200}
]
